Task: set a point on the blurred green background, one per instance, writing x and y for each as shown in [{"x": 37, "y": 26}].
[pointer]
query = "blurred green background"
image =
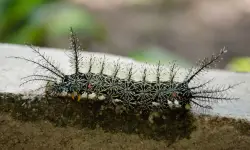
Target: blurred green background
[
  {"x": 46, "y": 22},
  {"x": 36, "y": 20}
]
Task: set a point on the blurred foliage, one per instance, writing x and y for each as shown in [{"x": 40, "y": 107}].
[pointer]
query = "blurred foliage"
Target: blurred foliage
[
  {"x": 155, "y": 54},
  {"x": 33, "y": 21},
  {"x": 42, "y": 22},
  {"x": 241, "y": 64}
]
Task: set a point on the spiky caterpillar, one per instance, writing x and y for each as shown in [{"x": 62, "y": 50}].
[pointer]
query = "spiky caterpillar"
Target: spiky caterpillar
[{"x": 133, "y": 94}]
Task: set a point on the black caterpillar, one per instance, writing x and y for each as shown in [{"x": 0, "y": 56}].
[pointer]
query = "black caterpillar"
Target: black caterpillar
[{"x": 143, "y": 94}]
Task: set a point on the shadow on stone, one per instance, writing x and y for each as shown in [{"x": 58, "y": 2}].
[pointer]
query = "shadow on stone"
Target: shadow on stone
[{"x": 169, "y": 125}]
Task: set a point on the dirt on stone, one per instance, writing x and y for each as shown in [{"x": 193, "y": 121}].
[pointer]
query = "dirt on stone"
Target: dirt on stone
[
  {"x": 38, "y": 125},
  {"x": 212, "y": 133}
]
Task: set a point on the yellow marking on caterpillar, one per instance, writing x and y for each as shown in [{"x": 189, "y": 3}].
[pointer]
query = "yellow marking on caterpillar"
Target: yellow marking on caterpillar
[
  {"x": 188, "y": 106},
  {"x": 79, "y": 97},
  {"x": 73, "y": 94}
]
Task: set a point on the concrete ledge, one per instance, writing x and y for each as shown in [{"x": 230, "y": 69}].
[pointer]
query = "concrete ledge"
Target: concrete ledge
[{"x": 12, "y": 70}]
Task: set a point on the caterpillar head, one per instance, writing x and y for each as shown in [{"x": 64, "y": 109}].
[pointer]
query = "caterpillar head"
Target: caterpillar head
[{"x": 69, "y": 84}]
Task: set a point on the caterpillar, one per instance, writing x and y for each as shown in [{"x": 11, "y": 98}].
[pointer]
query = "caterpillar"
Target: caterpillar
[{"x": 131, "y": 93}]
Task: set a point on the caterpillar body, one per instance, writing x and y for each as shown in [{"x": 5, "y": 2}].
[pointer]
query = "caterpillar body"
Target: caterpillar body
[{"x": 119, "y": 85}]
